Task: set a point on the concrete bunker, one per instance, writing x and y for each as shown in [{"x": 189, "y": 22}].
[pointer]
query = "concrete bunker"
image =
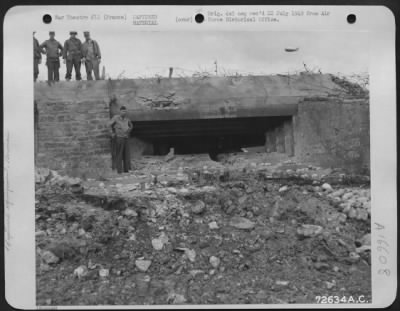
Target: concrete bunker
[{"x": 314, "y": 117}]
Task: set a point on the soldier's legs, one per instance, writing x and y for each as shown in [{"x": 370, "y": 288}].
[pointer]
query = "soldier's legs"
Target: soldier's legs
[
  {"x": 96, "y": 69},
  {"x": 119, "y": 153},
  {"x": 89, "y": 68},
  {"x": 35, "y": 69},
  {"x": 56, "y": 71},
  {"x": 69, "y": 69},
  {"x": 50, "y": 70},
  {"x": 113, "y": 153},
  {"x": 127, "y": 156},
  {"x": 77, "y": 67}
]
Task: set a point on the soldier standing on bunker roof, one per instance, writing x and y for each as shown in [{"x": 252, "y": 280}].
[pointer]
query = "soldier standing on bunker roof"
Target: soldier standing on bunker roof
[
  {"x": 53, "y": 50},
  {"x": 91, "y": 56},
  {"x": 37, "y": 57},
  {"x": 120, "y": 127},
  {"x": 72, "y": 55}
]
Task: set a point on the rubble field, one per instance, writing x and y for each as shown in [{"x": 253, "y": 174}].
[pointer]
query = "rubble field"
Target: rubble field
[{"x": 248, "y": 229}]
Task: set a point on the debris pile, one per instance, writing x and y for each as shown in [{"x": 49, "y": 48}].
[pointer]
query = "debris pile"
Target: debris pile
[
  {"x": 240, "y": 233},
  {"x": 51, "y": 177},
  {"x": 354, "y": 89}
]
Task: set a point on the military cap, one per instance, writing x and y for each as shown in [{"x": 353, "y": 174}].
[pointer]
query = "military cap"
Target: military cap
[
  {"x": 73, "y": 33},
  {"x": 52, "y": 32},
  {"x": 122, "y": 108},
  {"x": 86, "y": 32}
]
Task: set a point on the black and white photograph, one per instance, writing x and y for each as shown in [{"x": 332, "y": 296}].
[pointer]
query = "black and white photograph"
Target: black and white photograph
[{"x": 201, "y": 168}]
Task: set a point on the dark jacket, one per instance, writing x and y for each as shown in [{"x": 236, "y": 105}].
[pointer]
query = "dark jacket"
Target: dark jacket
[
  {"x": 96, "y": 48},
  {"x": 37, "y": 54},
  {"x": 72, "y": 49},
  {"x": 52, "y": 48}
]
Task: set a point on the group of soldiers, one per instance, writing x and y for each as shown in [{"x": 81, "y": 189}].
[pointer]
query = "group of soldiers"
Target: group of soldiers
[{"x": 73, "y": 53}]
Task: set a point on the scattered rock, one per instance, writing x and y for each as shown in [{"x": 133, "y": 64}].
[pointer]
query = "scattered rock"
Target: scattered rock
[
  {"x": 282, "y": 283},
  {"x": 361, "y": 214},
  {"x": 365, "y": 240},
  {"x": 172, "y": 190},
  {"x": 157, "y": 244},
  {"x": 241, "y": 223},
  {"x": 354, "y": 257},
  {"x": 81, "y": 272},
  {"x": 330, "y": 285},
  {"x": 262, "y": 295},
  {"x": 257, "y": 198},
  {"x": 215, "y": 261},
  {"x": 76, "y": 189},
  {"x": 321, "y": 266},
  {"x": 352, "y": 213},
  {"x": 44, "y": 267},
  {"x": 347, "y": 196},
  {"x": 213, "y": 225},
  {"x": 91, "y": 265},
  {"x": 175, "y": 298},
  {"x": 327, "y": 187},
  {"x": 266, "y": 233},
  {"x": 142, "y": 264},
  {"x": 40, "y": 233},
  {"x": 363, "y": 248},
  {"x": 49, "y": 258},
  {"x": 41, "y": 175},
  {"x": 193, "y": 273},
  {"x": 322, "y": 258},
  {"x": 130, "y": 213},
  {"x": 73, "y": 213},
  {"x": 338, "y": 193},
  {"x": 103, "y": 273},
  {"x": 283, "y": 188},
  {"x": 190, "y": 254},
  {"x": 142, "y": 284},
  {"x": 309, "y": 230},
  {"x": 198, "y": 207}
]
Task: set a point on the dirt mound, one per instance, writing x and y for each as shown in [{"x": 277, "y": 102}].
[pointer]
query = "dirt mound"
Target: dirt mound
[{"x": 235, "y": 237}]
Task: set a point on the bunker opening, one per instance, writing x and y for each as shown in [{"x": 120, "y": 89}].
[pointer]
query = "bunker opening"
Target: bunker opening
[{"x": 214, "y": 136}]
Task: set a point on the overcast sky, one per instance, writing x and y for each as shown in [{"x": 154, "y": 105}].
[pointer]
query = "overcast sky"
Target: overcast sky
[{"x": 145, "y": 54}]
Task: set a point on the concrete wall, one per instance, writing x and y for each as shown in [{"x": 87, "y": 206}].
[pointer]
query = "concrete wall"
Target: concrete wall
[
  {"x": 333, "y": 132},
  {"x": 72, "y": 136},
  {"x": 218, "y": 97}
]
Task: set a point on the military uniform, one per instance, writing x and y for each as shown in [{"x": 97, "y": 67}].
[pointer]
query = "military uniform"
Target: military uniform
[
  {"x": 53, "y": 50},
  {"x": 37, "y": 57},
  {"x": 72, "y": 54},
  {"x": 92, "y": 55},
  {"x": 120, "y": 129}
]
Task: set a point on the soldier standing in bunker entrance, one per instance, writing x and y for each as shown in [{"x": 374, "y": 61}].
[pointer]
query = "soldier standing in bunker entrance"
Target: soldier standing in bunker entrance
[
  {"x": 53, "y": 50},
  {"x": 72, "y": 55},
  {"x": 37, "y": 57},
  {"x": 120, "y": 127},
  {"x": 91, "y": 57}
]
